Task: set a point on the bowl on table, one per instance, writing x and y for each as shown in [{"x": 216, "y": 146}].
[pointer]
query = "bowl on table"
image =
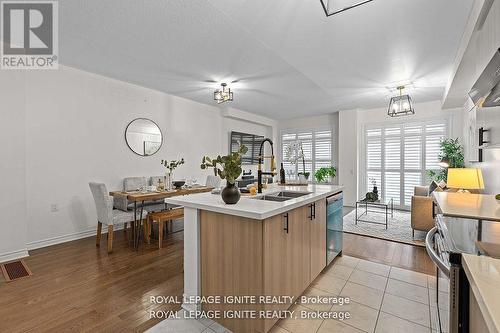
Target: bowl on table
[{"x": 178, "y": 183}]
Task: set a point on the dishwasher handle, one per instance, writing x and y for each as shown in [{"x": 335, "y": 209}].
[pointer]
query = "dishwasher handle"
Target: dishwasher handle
[
  {"x": 334, "y": 198},
  {"x": 429, "y": 246}
]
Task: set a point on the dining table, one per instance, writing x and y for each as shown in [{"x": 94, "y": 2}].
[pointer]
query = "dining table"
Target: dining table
[{"x": 141, "y": 197}]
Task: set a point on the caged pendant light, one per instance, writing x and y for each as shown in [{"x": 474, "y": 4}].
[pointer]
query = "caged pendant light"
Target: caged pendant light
[
  {"x": 223, "y": 95},
  {"x": 400, "y": 105}
]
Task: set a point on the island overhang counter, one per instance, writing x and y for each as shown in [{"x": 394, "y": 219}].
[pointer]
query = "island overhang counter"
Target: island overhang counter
[{"x": 253, "y": 248}]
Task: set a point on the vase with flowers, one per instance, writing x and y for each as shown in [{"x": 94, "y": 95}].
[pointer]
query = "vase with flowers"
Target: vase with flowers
[
  {"x": 294, "y": 153},
  {"x": 229, "y": 168},
  {"x": 170, "y": 167}
]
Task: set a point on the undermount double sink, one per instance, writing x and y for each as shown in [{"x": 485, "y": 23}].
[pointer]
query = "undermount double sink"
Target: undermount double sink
[{"x": 282, "y": 196}]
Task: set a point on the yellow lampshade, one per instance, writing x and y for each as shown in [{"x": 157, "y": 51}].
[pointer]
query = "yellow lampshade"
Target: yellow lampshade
[{"x": 466, "y": 178}]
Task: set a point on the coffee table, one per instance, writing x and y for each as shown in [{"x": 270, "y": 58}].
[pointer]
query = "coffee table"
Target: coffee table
[{"x": 378, "y": 207}]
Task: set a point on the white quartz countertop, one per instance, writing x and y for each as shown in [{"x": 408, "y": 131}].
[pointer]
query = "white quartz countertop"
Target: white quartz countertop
[
  {"x": 468, "y": 205},
  {"x": 252, "y": 208},
  {"x": 483, "y": 274}
]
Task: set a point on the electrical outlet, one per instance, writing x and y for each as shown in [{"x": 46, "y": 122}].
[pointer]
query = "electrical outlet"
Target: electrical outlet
[{"x": 54, "y": 208}]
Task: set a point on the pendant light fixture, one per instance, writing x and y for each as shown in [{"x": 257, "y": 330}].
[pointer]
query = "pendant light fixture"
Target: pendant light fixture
[
  {"x": 400, "y": 105},
  {"x": 223, "y": 95},
  {"x": 332, "y": 7}
]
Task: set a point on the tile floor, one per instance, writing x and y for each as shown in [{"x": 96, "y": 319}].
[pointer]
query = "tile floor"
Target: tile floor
[{"x": 382, "y": 299}]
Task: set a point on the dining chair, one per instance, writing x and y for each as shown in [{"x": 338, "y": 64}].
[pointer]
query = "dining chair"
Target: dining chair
[
  {"x": 107, "y": 215},
  {"x": 213, "y": 181}
]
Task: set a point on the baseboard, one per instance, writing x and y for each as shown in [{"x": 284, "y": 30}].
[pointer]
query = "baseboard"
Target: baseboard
[
  {"x": 9, "y": 256},
  {"x": 67, "y": 238}
]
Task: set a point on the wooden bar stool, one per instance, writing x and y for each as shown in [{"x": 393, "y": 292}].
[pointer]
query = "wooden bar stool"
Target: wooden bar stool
[{"x": 161, "y": 217}]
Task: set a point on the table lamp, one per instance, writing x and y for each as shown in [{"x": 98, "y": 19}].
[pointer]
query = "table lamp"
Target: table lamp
[{"x": 465, "y": 179}]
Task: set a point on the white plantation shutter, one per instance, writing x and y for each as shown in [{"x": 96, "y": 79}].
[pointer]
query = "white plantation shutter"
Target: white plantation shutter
[
  {"x": 392, "y": 186},
  {"x": 398, "y": 156},
  {"x": 392, "y": 152},
  {"x": 317, "y": 145},
  {"x": 412, "y": 179},
  {"x": 434, "y": 133}
]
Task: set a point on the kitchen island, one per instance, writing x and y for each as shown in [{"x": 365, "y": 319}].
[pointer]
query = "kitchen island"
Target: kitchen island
[{"x": 256, "y": 256}]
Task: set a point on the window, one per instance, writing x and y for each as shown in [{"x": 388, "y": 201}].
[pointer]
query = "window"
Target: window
[
  {"x": 398, "y": 156},
  {"x": 251, "y": 141},
  {"x": 318, "y": 150}
]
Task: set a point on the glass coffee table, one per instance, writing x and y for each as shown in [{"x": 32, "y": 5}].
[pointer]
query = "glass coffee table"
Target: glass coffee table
[{"x": 378, "y": 207}]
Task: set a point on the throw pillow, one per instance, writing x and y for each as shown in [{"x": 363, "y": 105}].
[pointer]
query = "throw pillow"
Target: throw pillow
[
  {"x": 432, "y": 187},
  {"x": 442, "y": 184}
]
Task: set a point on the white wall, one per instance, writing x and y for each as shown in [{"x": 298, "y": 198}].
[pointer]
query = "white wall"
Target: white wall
[
  {"x": 12, "y": 166},
  {"x": 348, "y": 155},
  {"x": 72, "y": 132},
  {"x": 482, "y": 46}
]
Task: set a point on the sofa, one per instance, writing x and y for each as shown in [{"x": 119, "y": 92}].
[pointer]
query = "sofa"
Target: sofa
[
  {"x": 421, "y": 209},
  {"x": 422, "y": 204}
]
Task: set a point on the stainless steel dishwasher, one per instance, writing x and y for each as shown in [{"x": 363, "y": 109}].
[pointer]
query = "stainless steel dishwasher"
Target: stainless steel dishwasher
[{"x": 334, "y": 226}]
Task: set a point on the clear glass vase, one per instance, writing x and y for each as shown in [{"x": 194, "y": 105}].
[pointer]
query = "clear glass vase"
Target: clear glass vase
[{"x": 168, "y": 181}]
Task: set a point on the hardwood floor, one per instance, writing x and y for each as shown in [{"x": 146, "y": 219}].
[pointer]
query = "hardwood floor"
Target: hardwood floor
[
  {"x": 386, "y": 252},
  {"x": 77, "y": 287},
  {"x": 390, "y": 253}
]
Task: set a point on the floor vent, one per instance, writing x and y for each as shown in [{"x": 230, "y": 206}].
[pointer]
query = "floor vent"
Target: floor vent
[{"x": 15, "y": 270}]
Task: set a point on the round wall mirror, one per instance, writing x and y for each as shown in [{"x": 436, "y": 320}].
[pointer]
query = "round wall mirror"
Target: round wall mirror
[{"x": 143, "y": 137}]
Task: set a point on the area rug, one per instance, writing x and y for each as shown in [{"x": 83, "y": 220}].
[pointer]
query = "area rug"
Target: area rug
[{"x": 398, "y": 229}]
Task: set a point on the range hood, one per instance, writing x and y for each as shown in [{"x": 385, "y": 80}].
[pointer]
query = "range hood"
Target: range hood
[{"x": 487, "y": 87}]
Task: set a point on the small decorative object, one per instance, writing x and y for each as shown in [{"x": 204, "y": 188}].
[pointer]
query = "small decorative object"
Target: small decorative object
[
  {"x": 229, "y": 168},
  {"x": 372, "y": 197},
  {"x": 282, "y": 175},
  {"x": 171, "y": 166},
  {"x": 497, "y": 196},
  {"x": 293, "y": 153},
  {"x": 179, "y": 183},
  {"x": 374, "y": 184},
  {"x": 223, "y": 95},
  {"x": 400, "y": 105},
  {"x": 450, "y": 156},
  {"x": 322, "y": 174}
]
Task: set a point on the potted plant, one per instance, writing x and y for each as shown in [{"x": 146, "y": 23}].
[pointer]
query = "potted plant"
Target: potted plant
[
  {"x": 229, "y": 168},
  {"x": 295, "y": 152},
  {"x": 373, "y": 195},
  {"x": 170, "y": 167},
  {"x": 451, "y": 152},
  {"x": 323, "y": 174}
]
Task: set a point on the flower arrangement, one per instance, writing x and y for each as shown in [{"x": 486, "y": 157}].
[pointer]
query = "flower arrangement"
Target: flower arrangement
[
  {"x": 172, "y": 165},
  {"x": 226, "y": 167},
  {"x": 294, "y": 152}
]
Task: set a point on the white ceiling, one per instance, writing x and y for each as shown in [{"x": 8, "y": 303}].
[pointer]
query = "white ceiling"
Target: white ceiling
[{"x": 288, "y": 59}]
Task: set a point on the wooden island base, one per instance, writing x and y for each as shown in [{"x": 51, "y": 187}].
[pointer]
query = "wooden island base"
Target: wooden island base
[{"x": 279, "y": 256}]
